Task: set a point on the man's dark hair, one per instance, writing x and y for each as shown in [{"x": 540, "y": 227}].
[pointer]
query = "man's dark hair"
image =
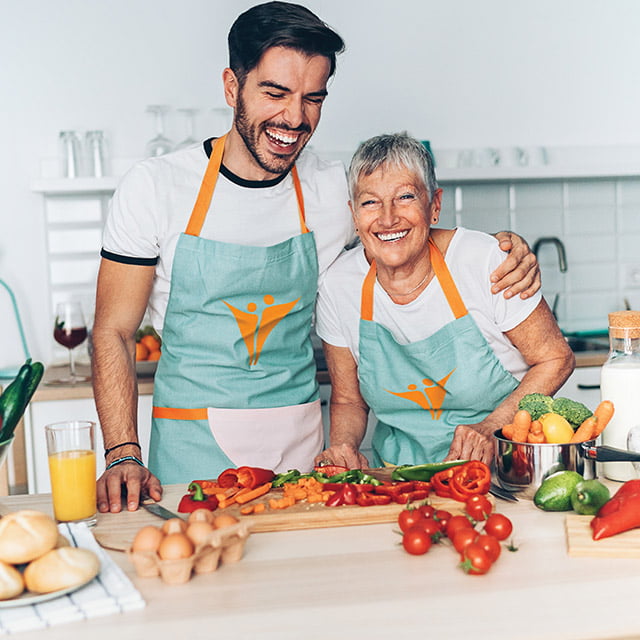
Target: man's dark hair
[{"x": 279, "y": 24}]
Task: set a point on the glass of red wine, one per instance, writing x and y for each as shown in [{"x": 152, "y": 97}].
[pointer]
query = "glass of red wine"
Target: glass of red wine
[{"x": 70, "y": 330}]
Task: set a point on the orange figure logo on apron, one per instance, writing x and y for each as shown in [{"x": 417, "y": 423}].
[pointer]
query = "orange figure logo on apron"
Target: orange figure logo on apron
[
  {"x": 431, "y": 398},
  {"x": 255, "y": 329}
]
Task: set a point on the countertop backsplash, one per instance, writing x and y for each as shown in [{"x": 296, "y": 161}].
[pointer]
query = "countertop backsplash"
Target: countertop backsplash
[{"x": 597, "y": 220}]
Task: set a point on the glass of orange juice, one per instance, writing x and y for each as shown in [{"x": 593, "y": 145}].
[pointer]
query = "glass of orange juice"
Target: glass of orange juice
[{"x": 72, "y": 469}]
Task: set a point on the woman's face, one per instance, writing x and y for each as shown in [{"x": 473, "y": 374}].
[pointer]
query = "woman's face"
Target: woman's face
[{"x": 393, "y": 215}]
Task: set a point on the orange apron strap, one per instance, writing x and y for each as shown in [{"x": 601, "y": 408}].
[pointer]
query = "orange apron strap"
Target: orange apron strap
[
  {"x": 170, "y": 413},
  {"x": 298, "y": 188},
  {"x": 203, "y": 200},
  {"x": 446, "y": 281},
  {"x": 366, "y": 302}
]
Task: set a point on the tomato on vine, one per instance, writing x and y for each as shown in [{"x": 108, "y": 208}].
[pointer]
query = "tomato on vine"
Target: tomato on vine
[
  {"x": 478, "y": 507},
  {"x": 416, "y": 541},
  {"x": 498, "y": 525}
]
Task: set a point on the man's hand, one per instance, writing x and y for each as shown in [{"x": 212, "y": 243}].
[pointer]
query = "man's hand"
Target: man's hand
[
  {"x": 520, "y": 272},
  {"x": 126, "y": 480},
  {"x": 471, "y": 442},
  {"x": 343, "y": 455}
]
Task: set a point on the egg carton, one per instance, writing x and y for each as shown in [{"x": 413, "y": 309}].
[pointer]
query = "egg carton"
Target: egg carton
[{"x": 221, "y": 546}]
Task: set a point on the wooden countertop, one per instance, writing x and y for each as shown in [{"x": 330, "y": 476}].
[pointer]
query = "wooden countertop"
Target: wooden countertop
[{"x": 358, "y": 582}]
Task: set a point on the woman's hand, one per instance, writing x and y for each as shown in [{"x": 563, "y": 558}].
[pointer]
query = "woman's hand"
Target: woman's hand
[
  {"x": 520, "y": 272},
  {"x": 343, "y": 455},
  {"x": 472, "y": 442}
]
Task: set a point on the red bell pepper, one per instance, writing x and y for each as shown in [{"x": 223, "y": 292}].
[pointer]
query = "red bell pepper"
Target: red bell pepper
[
  {"x": 461, "y": 482},
  {"x": 245, "y": 477},
  {"x": 368, "y": 499},
  {"x": 617, "y": 515},
  {"x": 330, "y": 470},
  {"x": 196, "y": 499}
]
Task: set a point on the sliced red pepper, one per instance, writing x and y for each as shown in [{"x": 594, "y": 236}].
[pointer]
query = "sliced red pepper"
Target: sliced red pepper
[
  {"x": 336, "y": 499},
  {"x": 419, "y": 494},
  {"x": 349, "y": 494},
  {"x": 196, "y": 499},
  {"x": 330, "y": 469},
  {"x": 366, "y": 499},
  {"x": 252, "y": 477},
  {"x": 228, "y": 478},
  {"x": 394, "y": 490},
  {"x": 440, "y": 482}
]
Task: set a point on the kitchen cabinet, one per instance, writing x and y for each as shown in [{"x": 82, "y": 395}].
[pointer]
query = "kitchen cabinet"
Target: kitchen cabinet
[{"x": 583, "y": 386}]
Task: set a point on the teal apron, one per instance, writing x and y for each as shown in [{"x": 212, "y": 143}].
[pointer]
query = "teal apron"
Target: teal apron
[
  {"x": 420, "y": 392},
  {"x": 236, "y": 383}
]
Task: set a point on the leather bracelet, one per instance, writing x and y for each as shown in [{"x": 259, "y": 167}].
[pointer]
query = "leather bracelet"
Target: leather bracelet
[
  {"x": 117, "y": 446},
  {"x": 118, "y": 461}
]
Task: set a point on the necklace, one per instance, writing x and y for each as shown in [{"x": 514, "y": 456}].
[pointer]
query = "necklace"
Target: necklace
[{"x": 406, "y": 293}]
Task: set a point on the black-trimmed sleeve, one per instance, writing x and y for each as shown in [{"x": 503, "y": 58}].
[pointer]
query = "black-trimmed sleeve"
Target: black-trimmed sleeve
[{"x": 114, "y": 257}]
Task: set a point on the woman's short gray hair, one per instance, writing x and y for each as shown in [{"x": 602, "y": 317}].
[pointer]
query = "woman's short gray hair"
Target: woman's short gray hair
[{"x": 393, "y": 150}]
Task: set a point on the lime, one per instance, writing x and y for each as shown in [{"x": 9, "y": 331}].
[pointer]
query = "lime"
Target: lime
[
  {"x": 556, "y": 429},
  {"x": 554, "y": 494}
]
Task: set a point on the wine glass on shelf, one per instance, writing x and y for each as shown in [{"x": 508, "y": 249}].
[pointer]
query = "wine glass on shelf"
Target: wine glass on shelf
[
  {"x": 70, "y": 330},
  {"x": 189, "y": 117},
  {"x": 160, "y": 144}
]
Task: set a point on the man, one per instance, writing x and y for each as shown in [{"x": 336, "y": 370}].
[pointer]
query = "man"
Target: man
[{"x": 232, "y": 286}]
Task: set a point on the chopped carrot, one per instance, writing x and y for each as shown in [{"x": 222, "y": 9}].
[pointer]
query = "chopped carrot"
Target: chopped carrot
[
  {"x": 314, "y": 497},
  {"x": 603, "y": 413},
  {"x": 521, "y": 424},
  {"x": 259, "y": 508},
  {"x": 586, "y": 430},
  {"x": 246, "y": 495},
  {"x": 247, "y": 509}
]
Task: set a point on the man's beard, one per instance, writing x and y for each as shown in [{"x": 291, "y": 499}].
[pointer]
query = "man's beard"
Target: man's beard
[{"x": 273, "y": 163}]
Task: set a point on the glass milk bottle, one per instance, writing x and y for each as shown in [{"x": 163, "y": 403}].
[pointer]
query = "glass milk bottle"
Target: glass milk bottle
[{"x": 620, "y": 383}]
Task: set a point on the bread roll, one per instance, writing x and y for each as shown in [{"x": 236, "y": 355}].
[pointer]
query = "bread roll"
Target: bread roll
[
  {"x": 61, "y": 568},
  {"x": 11, "y": 582},
  {"x": 26, "y": 535}
]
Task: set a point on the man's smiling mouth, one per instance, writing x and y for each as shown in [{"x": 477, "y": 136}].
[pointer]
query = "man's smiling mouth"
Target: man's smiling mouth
[
  {"x": 282, "y": 139},
  {"x": 391, "y": 236}
]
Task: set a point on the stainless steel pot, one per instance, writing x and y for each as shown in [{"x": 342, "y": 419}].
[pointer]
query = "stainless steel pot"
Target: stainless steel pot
[{"x": 522, "y": 467}]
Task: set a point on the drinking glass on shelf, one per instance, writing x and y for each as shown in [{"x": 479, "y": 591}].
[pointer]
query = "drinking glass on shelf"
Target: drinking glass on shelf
[
  {"x": 160, "y": 144},
  {"x": 70, "y": 330},
  {"x": 189, "y": 116}
]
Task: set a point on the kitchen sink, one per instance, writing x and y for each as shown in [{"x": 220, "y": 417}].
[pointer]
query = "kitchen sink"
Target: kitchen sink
[{"x": 579, "y": 344}]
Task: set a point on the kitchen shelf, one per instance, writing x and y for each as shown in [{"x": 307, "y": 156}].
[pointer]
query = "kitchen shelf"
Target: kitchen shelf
[{"x": 67, "y": 186}]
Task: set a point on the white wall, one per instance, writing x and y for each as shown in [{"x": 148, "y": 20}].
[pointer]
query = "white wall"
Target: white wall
[{"x": 458, "y": 72}]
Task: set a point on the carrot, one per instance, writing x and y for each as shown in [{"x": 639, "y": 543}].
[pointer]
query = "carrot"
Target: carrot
[
  {"x": 251, "y": 494},
  {"x": 604, "y": 413},
  {"x": 521, "y": 424},
  {"x": 535, "y": 438},
  {"x": 586, "y": 430},
  {"x": 507, "y": 431},
  {"x": 247, "y": 509},
  {"x": 536, "y": 427},
  {"x": 259, "y": 508}
]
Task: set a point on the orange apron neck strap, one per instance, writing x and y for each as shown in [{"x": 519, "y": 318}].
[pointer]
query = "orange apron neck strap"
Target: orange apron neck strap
[
  {"x": 441, "y": 270},
  {"x": 201, "y": 206},
  {"x": 446, "y": 281},
  {"x": 298, "y": 188},
  {"x": 366, "y": 301}
]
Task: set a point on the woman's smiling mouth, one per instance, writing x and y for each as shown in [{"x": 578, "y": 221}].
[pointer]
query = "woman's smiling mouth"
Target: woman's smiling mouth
[{"x": 390, "y": 236}]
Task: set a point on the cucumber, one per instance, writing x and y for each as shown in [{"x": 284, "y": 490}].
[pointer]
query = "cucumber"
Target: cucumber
[
  {"x": 16, "y": 396},
  {"x": 422, "y": 472}
]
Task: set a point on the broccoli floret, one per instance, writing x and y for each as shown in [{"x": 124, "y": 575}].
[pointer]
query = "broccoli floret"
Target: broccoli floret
[
  {"x": 575, "y": 413},
  {"x": 537, "y": 404}
]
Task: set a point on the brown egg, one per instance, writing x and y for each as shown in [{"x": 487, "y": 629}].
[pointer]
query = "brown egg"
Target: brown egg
[
  {"x": 175, "y": 546},
  {"x": 174, "y": 525},
  {"x": 224, "y": 520},
  {"x": 147, "y": 539},
  {"x": 199, "y": 531},
  {"x": 201, "y": 515}
]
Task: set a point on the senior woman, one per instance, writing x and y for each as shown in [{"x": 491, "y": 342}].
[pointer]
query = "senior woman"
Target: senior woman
[{"x": 412, "y": 331}]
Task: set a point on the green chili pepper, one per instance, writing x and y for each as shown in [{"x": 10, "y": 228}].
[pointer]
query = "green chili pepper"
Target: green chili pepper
[
  {"x": 422, "y": 472},
  {"x": 293, "y": 475}
]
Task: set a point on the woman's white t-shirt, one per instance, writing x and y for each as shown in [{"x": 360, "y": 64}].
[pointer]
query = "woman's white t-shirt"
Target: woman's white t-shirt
[
  {"x": 471, "y": 257},
  {"x": 153, "y": 203}
]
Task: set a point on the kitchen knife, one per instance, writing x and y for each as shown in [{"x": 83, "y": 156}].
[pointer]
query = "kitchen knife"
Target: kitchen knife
[
  {"x": 158, "y": 510},
  {"x": 501, "y": 493}
]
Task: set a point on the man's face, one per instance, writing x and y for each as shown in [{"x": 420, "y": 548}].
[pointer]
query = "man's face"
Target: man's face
[{"x": 277, "y": 109}]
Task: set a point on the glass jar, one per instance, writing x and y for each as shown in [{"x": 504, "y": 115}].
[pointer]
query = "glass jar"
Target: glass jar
[
  {"x": 620, "y": 383},
  {"x": 70, "y": 143},
  {"x": 96, "y": 153}
]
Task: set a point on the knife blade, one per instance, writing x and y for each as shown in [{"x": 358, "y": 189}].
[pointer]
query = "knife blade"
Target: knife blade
[
  {"x": 158, "y": 510},
  {"x": 501, "y": 493}
]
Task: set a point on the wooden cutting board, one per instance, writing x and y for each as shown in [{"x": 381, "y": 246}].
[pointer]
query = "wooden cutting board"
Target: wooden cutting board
[
  {"x": 116, "y": 531},
  {"x": 580, "y": 543}
]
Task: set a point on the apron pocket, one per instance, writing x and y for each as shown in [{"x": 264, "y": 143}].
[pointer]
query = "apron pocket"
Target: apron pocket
[{"x": 276, "y": 438}]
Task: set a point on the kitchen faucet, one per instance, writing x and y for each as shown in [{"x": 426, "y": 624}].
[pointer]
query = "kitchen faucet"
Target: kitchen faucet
[{"x": 562, "y": 262}]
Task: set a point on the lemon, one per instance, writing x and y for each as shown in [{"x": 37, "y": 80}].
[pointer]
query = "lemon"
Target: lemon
[{"x": 555, "y": 428}]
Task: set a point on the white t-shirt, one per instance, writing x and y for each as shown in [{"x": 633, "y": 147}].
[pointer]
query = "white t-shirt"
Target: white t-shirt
[
  {"x": 152, "y": 205},
  {"x": 471, "y": 257}
]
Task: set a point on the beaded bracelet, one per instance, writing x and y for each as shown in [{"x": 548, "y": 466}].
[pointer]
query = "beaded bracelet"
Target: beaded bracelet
[
  {"x": 124, "y": 459},
  {"x": 117, "y": 446}
]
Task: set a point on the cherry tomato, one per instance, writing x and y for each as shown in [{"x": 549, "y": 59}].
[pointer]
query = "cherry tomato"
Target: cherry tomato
[
  {"x": 455, "y": 524},
  {"x": 478, "y": 507},
  {"x": 427, "y": 510},
  {"x": 409, "y": 518},
  {"x": 442, "y": 517},
  {"x": 432, "y": 527},
  {"x": 476, "y": 559},
  {"x": 463, "y": 538},
  {"x": 491, "y": 545},
  {"x": 416, "y": 541},
  {"x": 499, "y": 526}
]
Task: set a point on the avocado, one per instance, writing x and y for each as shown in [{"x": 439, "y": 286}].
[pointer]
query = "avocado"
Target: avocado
[
  {"x": 554, "y": 494},
  {"x": 588, "y": 496}
]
